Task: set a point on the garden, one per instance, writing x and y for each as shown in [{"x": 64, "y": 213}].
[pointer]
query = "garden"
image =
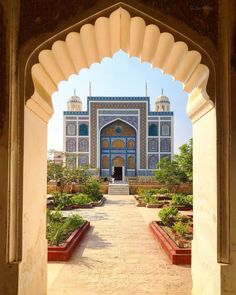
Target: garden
[
  {"x": 65, "y": 197},
  {"x": 174, "y": 231},
  {"x": 65, "y": 233}
]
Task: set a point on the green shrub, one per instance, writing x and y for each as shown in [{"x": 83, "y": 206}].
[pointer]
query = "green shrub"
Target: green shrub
[
  {"x": 81, "y": 199},
  {"x": 179, "y": 199},
  {"x": 73, "y": 221},
  {"x": 153, "y": 191},
  {"x": 59, "y": 228},
  {"x": 61, "y": 200},
  {"x": 162, "y": 191},
  {"x": 147, "y": 194},
  {"x": 168, "y": 215},
  {"x": 92, "y": 189},
  {"x": 150, "y": 199},
  {"x": 54, "y": 216},
  {"x": 181, "y": 228}
]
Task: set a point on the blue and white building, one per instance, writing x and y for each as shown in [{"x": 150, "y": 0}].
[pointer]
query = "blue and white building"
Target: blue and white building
[{"x": 118, "y": 135}]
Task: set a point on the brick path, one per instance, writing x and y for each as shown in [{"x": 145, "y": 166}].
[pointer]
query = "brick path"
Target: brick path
[{"x": 118, "y": 256}]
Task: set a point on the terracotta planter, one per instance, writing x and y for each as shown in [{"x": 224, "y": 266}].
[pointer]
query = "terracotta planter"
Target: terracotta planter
[
  {"x": 176, "y": 254},
  {"x": 63, "y": 253}
]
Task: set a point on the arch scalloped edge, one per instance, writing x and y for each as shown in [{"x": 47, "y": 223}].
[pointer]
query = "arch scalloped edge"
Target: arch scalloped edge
[
  {"x": 198, "y": 104},
  {"x": 50, "y": 70},
  {"x": 40, "y": 107}
]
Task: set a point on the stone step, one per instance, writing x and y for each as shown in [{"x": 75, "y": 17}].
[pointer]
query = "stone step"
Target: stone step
[{"x": 118, "y": 189}]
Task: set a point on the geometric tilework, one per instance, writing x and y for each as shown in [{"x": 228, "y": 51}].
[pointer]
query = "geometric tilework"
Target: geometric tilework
[
  {"x": 83, "y": 159},
  {"x": 165, "y": 145},
  {"x": 83, "y": 145},
  {"x": 71, "y": 145},
  {"x": 132, "y": 120},
  {"x": 95, "y": 105},
  {"x": 152, "y": 161},
  {"x": 153, "y": 144}
]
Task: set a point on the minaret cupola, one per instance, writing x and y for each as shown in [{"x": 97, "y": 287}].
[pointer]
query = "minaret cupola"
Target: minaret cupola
[
  {"x": 74, "y": 103},
  {"x": 162, "y": 103}
]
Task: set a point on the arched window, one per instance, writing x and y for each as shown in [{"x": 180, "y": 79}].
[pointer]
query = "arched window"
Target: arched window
[
  {"x": 71, "y": 129},
  {"x": 118, "y": 144},
  {"x": 131, "y": 144},
  {"x": 131, "y": 162},
  {"x": 152, "y": 130},
  {"x": 83, "y": 129},
  {"x": 165, "y": 130},
  {"x": 105, "y": 144},
  {"x": 105, "y": 162}
]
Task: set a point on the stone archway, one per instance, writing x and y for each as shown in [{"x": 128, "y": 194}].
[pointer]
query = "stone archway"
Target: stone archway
[
  {"x": 108, "y": 35},
  {"x": 79, "y": 50}
]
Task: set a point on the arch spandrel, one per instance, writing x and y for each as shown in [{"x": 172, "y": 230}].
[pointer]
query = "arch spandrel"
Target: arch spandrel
[{"x": 120, "y": 31}]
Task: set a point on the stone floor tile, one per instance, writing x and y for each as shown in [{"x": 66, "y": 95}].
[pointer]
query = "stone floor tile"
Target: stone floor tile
[{"x": 118, "y": 256}]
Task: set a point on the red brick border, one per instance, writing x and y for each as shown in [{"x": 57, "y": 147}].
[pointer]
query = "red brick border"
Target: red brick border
[
  {"x": 177, "y": 255},
  {"x": 63, "y": 253}
]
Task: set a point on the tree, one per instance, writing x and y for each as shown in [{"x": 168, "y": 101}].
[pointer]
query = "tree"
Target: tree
[
  {"x": 67, "y": 175},
  {"x": 170, "y": 174},
  {"x": 61, "y": 174},
  {"x": 185, "y": 159}
]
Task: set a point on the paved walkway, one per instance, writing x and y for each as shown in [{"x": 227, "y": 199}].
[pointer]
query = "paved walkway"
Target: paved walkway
[{"x": 118, "y": 257}]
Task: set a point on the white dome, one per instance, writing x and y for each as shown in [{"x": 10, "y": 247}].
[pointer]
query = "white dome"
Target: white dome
[
  {"x": 163, "y": 98},
  {"x": 162, "y": 103},
  {"x": 74, "y": 98},
  {"x": 74, "y": 103}
]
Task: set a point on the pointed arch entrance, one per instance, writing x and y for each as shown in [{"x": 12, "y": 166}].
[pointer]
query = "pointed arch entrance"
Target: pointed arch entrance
[{"x": 118, "y": 155}]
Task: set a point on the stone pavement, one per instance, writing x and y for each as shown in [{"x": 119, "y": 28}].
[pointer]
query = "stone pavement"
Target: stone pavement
[{"x": 118, "y": 256}]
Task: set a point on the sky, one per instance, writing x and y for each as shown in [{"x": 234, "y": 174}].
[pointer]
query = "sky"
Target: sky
[{"x": 120, "y": 76}]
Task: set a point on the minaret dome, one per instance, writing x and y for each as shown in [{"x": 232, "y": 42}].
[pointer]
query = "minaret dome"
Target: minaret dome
[
  {"x": 74, "y": 103},
  {"x": 162, "y": 103}
]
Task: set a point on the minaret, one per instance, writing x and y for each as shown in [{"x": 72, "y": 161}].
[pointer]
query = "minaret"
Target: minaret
[
  {"x": 162, "y": 103},
  {"x": 74, "y": 103}
]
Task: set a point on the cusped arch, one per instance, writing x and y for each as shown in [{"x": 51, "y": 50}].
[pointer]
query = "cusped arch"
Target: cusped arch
[
  {"x": 108, "y": 35},
  {"x": 118, "y": 161}
]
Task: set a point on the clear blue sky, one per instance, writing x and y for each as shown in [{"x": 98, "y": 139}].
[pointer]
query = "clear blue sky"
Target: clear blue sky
[{"x": 120, "y": 76}]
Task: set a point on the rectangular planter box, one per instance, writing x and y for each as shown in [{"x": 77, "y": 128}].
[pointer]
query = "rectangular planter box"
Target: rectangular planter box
[
  {"x": 63, "y": 253},
  {"x": 99, "y": 203},
  {"x": 176, "y": 254},
  {"x": 138, "y": 203}
]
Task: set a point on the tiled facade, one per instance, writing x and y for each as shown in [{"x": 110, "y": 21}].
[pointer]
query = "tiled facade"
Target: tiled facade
[{"x": 85, "y": 145}]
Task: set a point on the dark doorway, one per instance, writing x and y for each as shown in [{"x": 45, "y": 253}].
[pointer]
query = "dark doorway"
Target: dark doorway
[{"x": 118, "y": 173}]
